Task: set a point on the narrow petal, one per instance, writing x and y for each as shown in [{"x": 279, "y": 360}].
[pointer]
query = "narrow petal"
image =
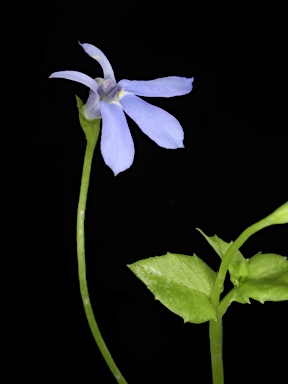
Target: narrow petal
[
  {"x": 98, "y": 55},
  {"x": 77, "y": 76},
  {"x": 117, "y": 146},
  {"x": 162, "y": 87},
  {"x": 92, "y": 106},
  {"x": 156, "y": 123}
]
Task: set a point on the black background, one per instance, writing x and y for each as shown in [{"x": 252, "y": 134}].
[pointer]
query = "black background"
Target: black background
[{"x": 232, "y": 172}]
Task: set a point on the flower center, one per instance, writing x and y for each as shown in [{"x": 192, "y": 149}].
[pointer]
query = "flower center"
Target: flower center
[{"x": 108, "y": 89}]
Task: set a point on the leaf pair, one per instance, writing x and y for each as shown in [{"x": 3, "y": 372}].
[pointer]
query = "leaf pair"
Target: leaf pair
[
  {"x": 267, "y": 279},
  {"x": 264, "y": 277},
  {"x": 184, "y": 283}
]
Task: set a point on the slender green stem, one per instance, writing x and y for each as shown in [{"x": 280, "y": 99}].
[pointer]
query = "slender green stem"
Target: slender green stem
[
  {"x": 226, "y": 301},
  {"x": 216, "y": 337},
  {"x": 82, "y": 264}
]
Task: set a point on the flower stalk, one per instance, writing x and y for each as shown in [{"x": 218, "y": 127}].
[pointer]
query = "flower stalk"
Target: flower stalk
[{"x": 91, "y": 130}]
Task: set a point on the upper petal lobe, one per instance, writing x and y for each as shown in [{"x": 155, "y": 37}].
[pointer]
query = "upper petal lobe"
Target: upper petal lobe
[
  {"x": 98, "y": 55},
  {"x": 77, "y": 76}
]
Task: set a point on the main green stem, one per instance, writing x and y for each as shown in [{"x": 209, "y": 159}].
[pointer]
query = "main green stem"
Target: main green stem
[
  {"x": 82, "y": 263},
  {"x": 216, "y": 337},
  {"x": 215, "y": 326}
]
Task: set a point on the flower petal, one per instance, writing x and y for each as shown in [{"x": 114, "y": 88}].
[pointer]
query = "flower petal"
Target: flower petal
[
  {"x": 162, "y": 87},
  {"x": 117, "y": 146},
  {"x": 92, "y": 106},
  {"x": 156, "y": 123},
  {"x": 77, "y": 76},
  {"x": 98, "y": 55}
]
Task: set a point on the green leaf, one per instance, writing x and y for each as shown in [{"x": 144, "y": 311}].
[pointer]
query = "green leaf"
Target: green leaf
[
  {"x": 268, "y": 265},
  {"x": 238, "y": 268},
  {"x": 267, "y": 279},
  {"x": 182, "y": 283}
]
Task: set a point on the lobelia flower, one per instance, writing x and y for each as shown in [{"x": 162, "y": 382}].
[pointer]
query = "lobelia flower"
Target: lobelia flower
[{"x": 107, "y": 100}]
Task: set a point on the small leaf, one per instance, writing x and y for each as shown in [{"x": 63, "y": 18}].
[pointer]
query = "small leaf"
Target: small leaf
[
  {"x": 182, "y": 283},
  {"x": 267, "y": 279},
  {"x": 220, "y": 246},
  {"x": 238, "y": 268},
  {"x": 267, "y": 265}
]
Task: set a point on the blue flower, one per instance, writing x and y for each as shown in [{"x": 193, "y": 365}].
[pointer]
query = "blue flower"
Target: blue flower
[{"x": 107, "y": 100}]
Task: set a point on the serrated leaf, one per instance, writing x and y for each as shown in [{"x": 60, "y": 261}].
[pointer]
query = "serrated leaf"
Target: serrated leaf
[
  {"x": 267, "y": 279},
  {"x": 238, "y": 266},
  {"x": 267, "y": 265},
  {"x": 182, "y": 283},
  {"x": 220, "y": 246}
]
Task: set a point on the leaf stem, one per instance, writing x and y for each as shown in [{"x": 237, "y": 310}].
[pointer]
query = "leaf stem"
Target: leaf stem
[{"x": 226, "y": 301}]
